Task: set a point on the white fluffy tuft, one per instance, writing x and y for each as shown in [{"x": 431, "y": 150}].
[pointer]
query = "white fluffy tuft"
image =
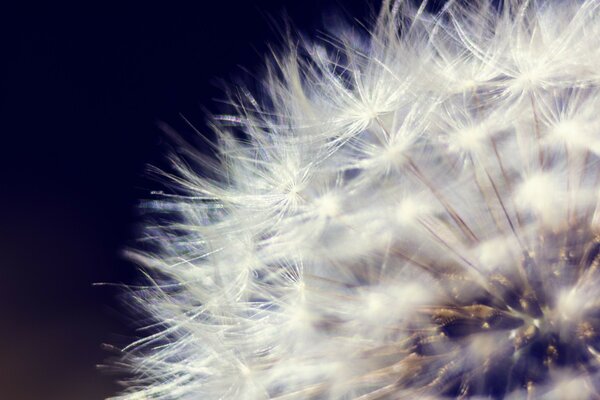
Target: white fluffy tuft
[{"x": 410, "y": 213}]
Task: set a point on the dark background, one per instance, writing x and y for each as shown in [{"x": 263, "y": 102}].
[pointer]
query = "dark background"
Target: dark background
[{"x": 82, "y": 88}]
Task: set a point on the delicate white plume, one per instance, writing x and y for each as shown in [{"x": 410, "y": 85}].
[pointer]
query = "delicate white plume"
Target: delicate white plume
[{"x": 406, "y": 213}]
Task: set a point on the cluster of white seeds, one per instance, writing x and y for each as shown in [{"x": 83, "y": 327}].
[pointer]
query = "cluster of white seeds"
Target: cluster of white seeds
[{"x": 410, "y": 212}]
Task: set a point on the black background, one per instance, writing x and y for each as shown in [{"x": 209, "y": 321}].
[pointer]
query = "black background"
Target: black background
[{"x": 82, "y": 89}]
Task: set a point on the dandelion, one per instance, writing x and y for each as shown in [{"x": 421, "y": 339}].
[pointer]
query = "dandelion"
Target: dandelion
[{"x": 408, "y": 213}]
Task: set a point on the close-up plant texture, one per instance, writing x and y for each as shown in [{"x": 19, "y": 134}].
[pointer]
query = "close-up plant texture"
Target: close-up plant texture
[{"x": 406, "y": 210}]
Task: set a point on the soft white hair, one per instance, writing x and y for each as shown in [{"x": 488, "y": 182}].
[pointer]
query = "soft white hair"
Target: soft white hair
[{"x": 407, "y": 212}]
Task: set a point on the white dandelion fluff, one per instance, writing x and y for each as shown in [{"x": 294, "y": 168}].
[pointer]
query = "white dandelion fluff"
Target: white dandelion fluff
[{"x": 408, "y": 213}]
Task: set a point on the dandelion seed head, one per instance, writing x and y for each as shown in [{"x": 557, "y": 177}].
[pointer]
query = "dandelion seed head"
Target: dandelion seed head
[{"x": 408, "y": 211}]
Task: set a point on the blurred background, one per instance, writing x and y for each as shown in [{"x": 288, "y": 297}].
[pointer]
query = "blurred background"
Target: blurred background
[{"x": 84, "y": 87}]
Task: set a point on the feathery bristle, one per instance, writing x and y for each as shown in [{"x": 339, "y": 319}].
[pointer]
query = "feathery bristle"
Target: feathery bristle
[{"x": 410, "y": 213}]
